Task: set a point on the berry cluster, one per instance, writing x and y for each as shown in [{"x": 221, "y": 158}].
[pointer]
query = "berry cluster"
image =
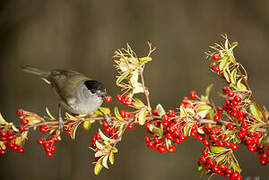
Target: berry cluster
[
  {"x": 126, "y": 100},
  {"x": 166, "y": 132},
  {"x": 48, "y": 144}
]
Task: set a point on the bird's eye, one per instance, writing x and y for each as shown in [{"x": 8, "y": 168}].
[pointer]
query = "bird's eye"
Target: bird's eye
[{"x": 93, "y": 91}]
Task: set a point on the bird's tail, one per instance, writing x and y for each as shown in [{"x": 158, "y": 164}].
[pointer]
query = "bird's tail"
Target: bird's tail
[{"x": 35, "y": 71}]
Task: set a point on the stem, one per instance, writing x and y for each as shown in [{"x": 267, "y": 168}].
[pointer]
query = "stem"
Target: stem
[
  {"x": 144, "y": 87},
  {"x": 252, "y": 95}
]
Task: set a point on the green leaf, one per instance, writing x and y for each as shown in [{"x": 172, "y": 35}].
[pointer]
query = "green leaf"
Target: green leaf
[
  {"x": 104, "y": 161},
  {"x": 144, "y": 60},
  {"x": 217, "y": 149},
  {"x": 138, "y": 103},
  {"x": 160, "y": 110},
  {"x": 117, "y": 114},
  {"x": 122, "y": 77},
  {"x": 254, "y": 110},
  {"x": 111, "y": 157},
  {"x": 235, "y": 166},
  {"x": 142, "y": 117},
  {"x": 208, "y": 89},
  {"x": 98, "y": 167},
  {"x": 224, "y": 62},
  {"x": 49, "y": 114},
  {"x": 73, "y": 132},
  {"x": 87, "y": 125}
]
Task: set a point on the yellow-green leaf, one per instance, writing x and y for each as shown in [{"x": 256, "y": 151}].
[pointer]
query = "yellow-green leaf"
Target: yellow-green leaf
[
  {"x": 73, "y": 132},
  {"x": 142, "y": 117},
  {"x": 235, "y": 166},
  {"x": 104, "y": 161},
  {"x": 102, "y": 110},
  {"x": 217, "y": 149},
  {"x": 104, "y": 137},
  {"x": 122, "y": 77},
  {"x": 2, "y": 120},
  {"x": 87, "y": 125},
  {"x": 114, "y": 150},
  {"x": 241, "y": 86},
  {"x": 98, "y": 167},
  {"x": 144, "y": 60},
  {"x": 254, "y": 110},
  {"x": 208, "y": 89},
  {"x": 233, "y": 76},
  {"x": 99, "y": 154},
  {"x": 99, "y": 145},
  {"x": 111, "y": 157},
  {"x": 117, "y": 114},
  {"x": 160, "y": 110},
  {"x": 138, "y": 103},
  {"x": 224, "y": 62},
  {"x": 49, "y": 114}
]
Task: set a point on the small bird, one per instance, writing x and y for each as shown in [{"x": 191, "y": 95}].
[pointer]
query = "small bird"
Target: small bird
[{"x": 77, "y": 93}]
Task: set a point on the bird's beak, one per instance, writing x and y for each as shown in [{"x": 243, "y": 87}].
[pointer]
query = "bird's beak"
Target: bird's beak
[{"x": 102, "y": 94}]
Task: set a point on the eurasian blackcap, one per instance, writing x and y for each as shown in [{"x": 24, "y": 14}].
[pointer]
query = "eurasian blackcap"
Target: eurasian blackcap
[{"x": 77, "y": 93}]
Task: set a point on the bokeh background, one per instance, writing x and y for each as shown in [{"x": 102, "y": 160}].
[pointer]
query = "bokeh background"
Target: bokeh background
[{"x": 83, "y": 34}]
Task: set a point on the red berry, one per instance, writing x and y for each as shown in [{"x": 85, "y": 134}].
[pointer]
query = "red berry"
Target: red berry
[
  {"x": 155, "y": 112},
  {"x": 215, "y": 57},
  {"x": 147, "y": 139},
  {"x": 206, "y": 142},
  {"x": 193, "y": 94},
  {"x": 229, "y": 171},
  {"x": 20, "y": 112},
  {"x": 237, "y": 98},
  {"x": 98, "y": 136},
  {"x": 123, "y": 113},
  {"x": 20, "y": 150},
  {"x": 147, "y": 125},
  {"x": 40, "y": 142},
  {"x": 49, "y": 154},
  {"x": 252, "y": 148},
  {"x": 171, "y": 113},
  {"x": 165, "y": 123},
  {"x": 108, "y": 99},
  {"x": 105, "y": 124},
  {"x": 230, "y": 126},
  {"x": 234, "y": 146},
  {"x": 172, "y": 148},
  {"x": 24, "y": 121},
  {"x": 217, "y": 117},
  {"x": 130, "y": 126},
  {"x": 21, "y": 128},
  {"x": 2, "y": 152},
  {"x": 169, "y": 136},
  {"x": 203, "y": 159},
  {"x": 230, "y": 93},
  {"x": 119, "y": 98},
  {"x": 222, "y": 166},
  {"x": 68, "y": 132},
  {"x": 151, "y": 145},
  {"x": 43, "y": 128}
]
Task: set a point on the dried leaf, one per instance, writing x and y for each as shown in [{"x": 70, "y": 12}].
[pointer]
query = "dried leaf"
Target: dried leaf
[
  {"x": 122, "y": 77},
  {"x": 73, "y": 132},
  {"x": 2, "y": 120},
  {"x": 138, "y": 103},
  {"x": 217, "y": 149},
  {"x": 208, "y": 89},
  {"x": 104, "y": 137}
]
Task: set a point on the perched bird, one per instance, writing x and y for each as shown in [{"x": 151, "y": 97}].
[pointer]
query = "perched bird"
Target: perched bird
[{"x": 77, "y": 93}]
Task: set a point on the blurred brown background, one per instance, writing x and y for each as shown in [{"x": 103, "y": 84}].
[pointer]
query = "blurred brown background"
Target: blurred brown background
[{"x": 83, "y": 34}]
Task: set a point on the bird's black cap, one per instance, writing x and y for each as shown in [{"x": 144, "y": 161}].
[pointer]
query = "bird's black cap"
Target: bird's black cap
[{"x": 93, "y": 86}]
